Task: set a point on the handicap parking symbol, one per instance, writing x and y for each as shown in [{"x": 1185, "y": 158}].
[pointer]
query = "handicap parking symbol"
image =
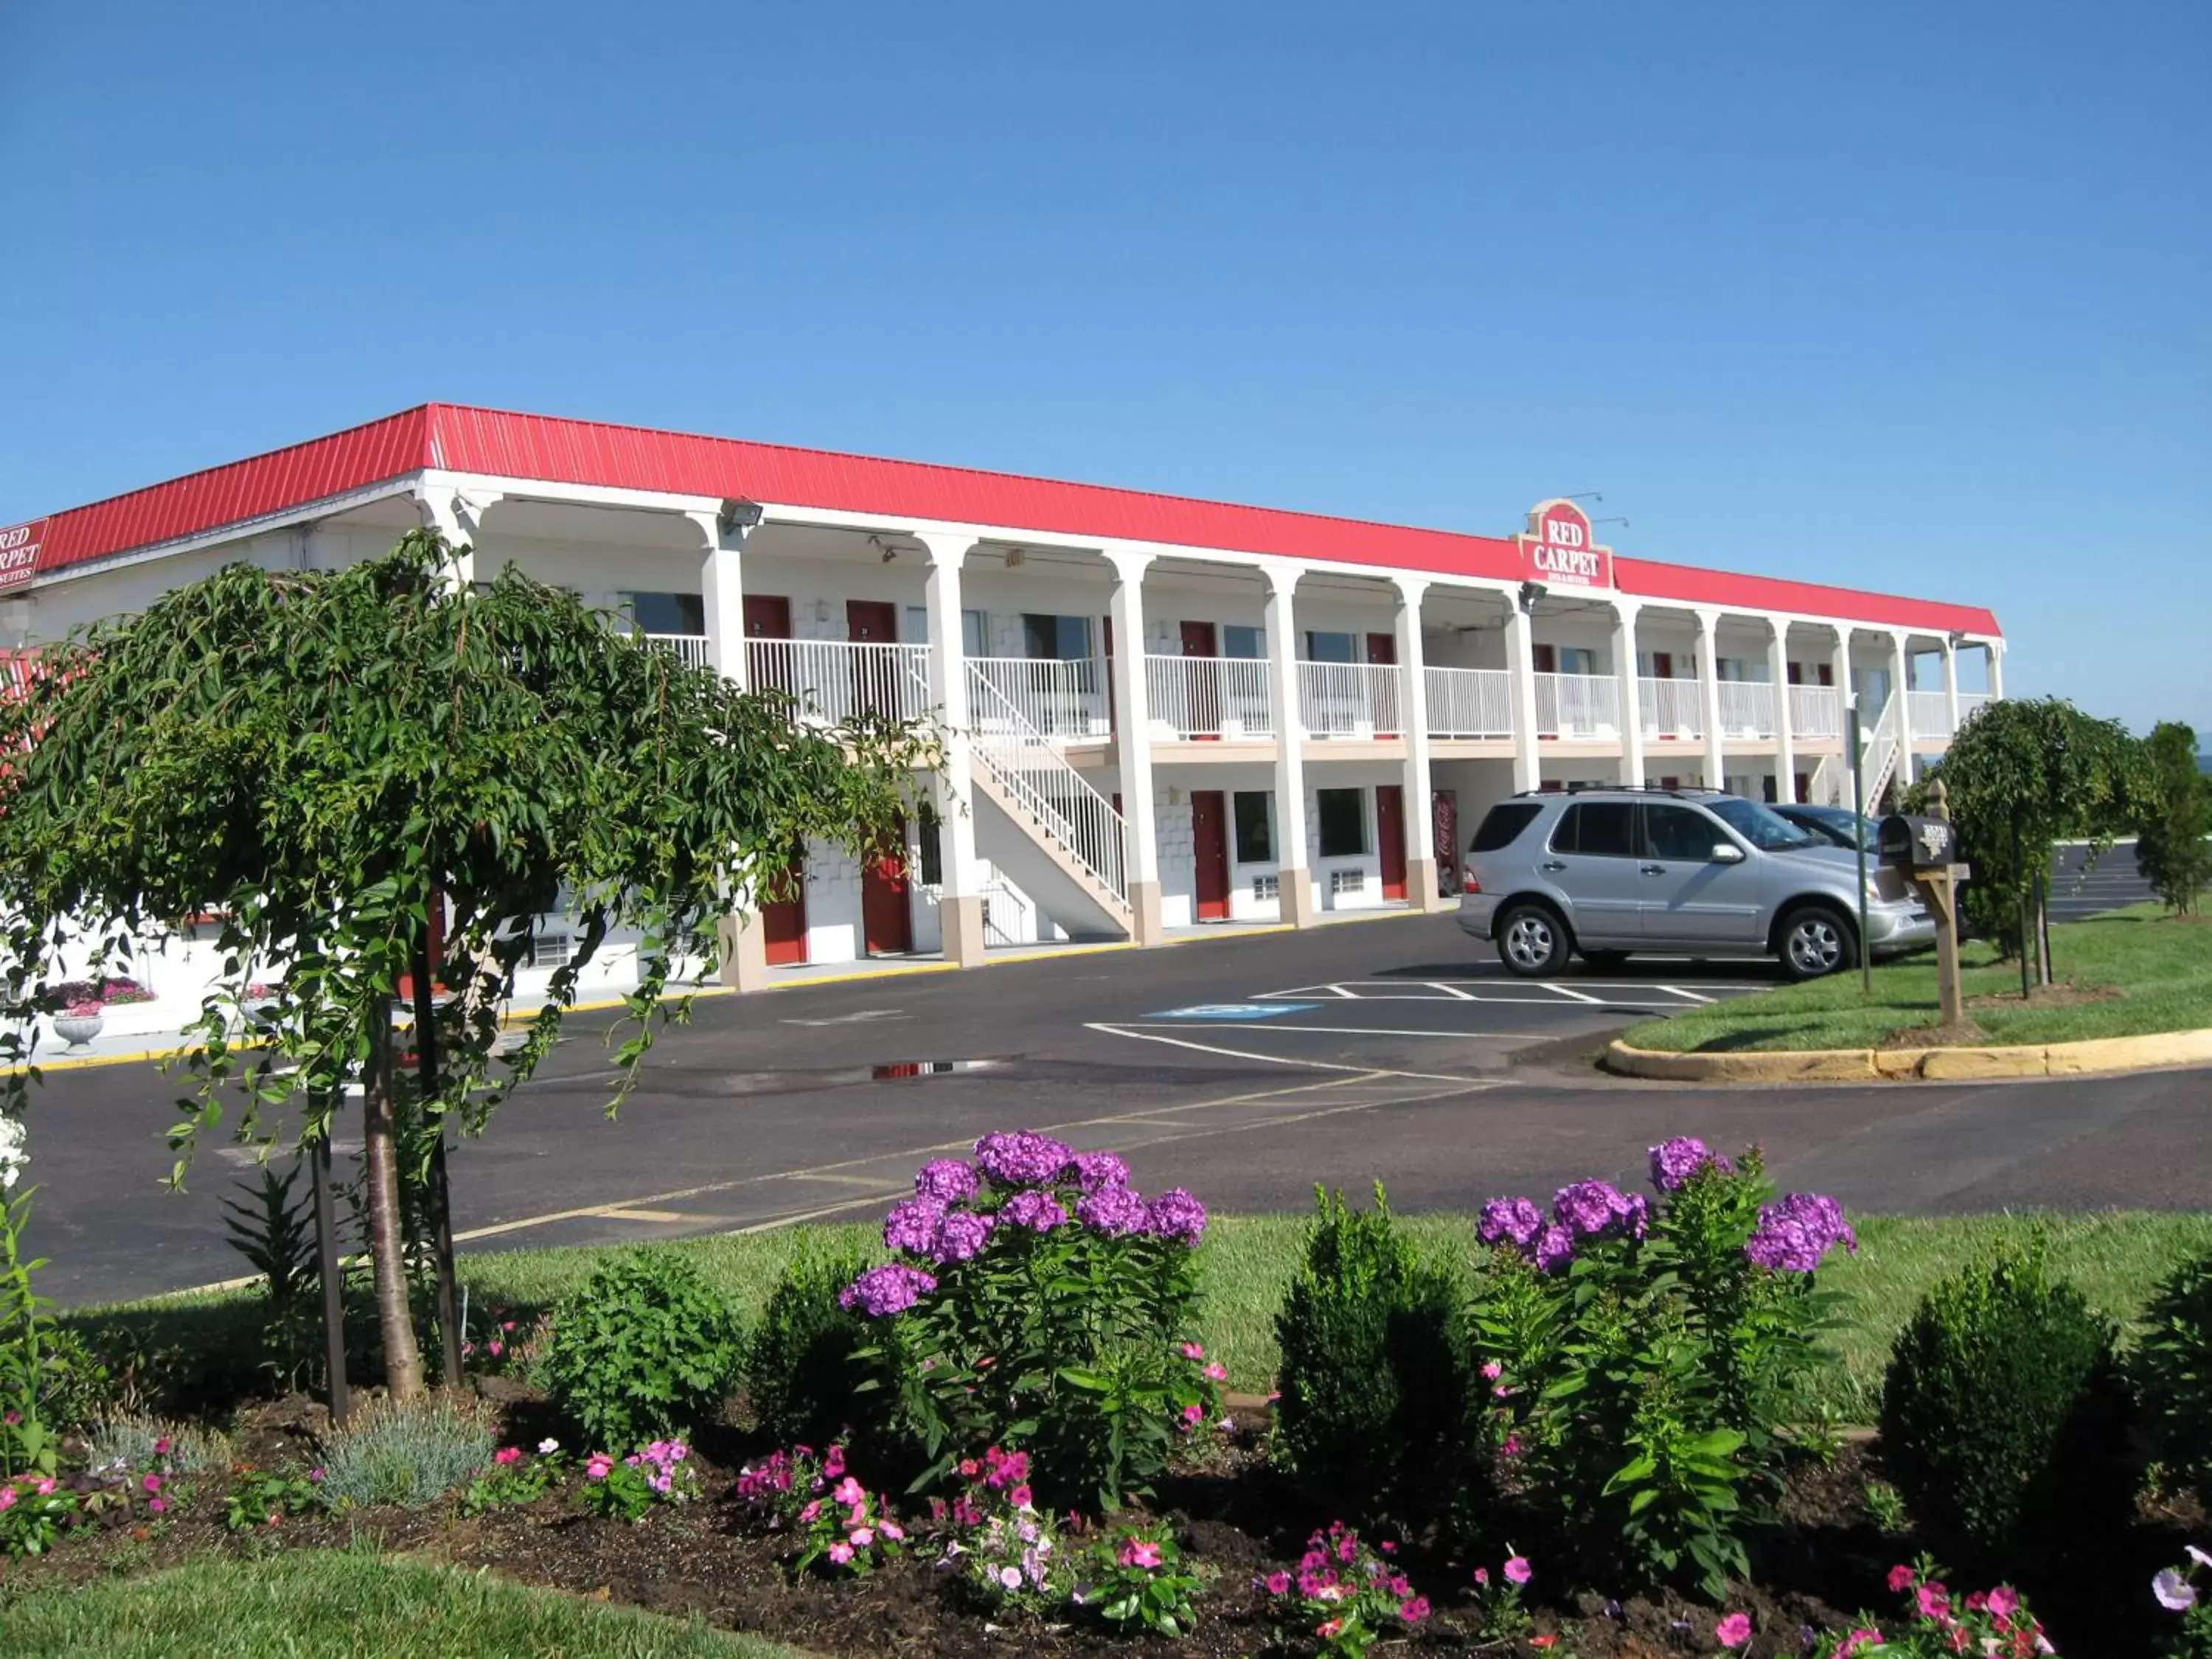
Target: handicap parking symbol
[{"x": 1235, "y": 1011}]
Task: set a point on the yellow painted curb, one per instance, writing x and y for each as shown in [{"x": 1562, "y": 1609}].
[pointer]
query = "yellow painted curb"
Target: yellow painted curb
[{"x": 2093, "y": 1056}]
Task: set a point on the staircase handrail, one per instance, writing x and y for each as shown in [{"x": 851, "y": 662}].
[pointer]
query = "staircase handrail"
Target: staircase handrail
[{"x": 1017, "y": 755}]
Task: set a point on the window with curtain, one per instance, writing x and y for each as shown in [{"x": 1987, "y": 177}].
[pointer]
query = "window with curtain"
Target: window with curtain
[
  {"x": 1240, "y": 641},
  {"x": 1332, "y": 647},
  {"x": 667, "y": 613},
  {"x": 1055, "y": 639}
]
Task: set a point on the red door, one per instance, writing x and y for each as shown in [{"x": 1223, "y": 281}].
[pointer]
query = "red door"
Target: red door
[
  {"x": 767, "y": 666},
  {"x": 1827, "y": 673},
  {"x": 873, "y": 622},
  {"x": 1663, "y": 664},
  {"x": 1383, "y": 648},
  {"x": 783, "y": 916},
  {"x": 1797, "y": 673},
  {"x": 1443, "y": 815},
  {"x": 886, "y": 916},
  {"x": 1390, "y": 837},
  {"x": 1209, "y": 826},
  {"x": 767, "y": 616},
  {"x": 1201, "y": 691}
]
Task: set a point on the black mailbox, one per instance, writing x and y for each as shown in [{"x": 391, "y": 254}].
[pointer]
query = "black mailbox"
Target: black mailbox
[{"x": 1915, "y": 844}]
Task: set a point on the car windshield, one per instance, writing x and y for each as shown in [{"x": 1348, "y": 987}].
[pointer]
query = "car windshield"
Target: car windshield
[
  {"x": 1844, "y": 824},
  {"x": 1765, "y": 830}
]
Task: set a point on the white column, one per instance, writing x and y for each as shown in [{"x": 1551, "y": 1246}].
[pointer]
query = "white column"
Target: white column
[
  {"x": 1708, "y": 687},
  {"x": 1413, "y": 711},
  {"x": 1133, "y": 741},
  {"x": 459, "y": 519},
  {"x": 1294, "y": 874},
  {"x": 960, "y": 902},
  {"x": 1951, "y": 681},
  {"x": 1521, "y": 664},
  {"x": 1631, "y": 692},
  {"x": 722, "y": 595},
  {"x": 1995, "y": 650},
  {"x": 1848, "y": 695},
  {"x": 1900, "y": 676},
  {"x": 1777, "y": 670}
]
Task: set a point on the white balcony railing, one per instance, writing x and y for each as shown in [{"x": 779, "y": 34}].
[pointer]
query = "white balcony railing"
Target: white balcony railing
[
  {"x": 1747, "y": 709},
  {"x": 1815, "y": 711},
  {"x": 1671, "y": 708},
  {"x": 1971, "y": 704},
  {"x": 1577, "y": 706},
  {"x": 1930, "y": 713},
  {"x": 1208, "y": 697},
  {"x": 1470, "y": 702},
  {"x": 1057, "y": 698},
  {"x": 1059, "y": 800},
  {"x": 1349, "y": 699},
  {"x": 833, "y": 680},
  {"x": 690, "y": 649}
]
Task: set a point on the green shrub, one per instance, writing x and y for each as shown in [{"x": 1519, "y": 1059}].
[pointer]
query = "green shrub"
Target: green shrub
[
  {"x": 1374, "y": 1385},
  {"x": 130, "y": 1443},
  {"x": 2001, "y": 1418},
  {"x": 2172, "y": 1369},
  {"x": 409, "y": 1455},
  {"x": 647, "y": 1347},
  {"x": 799, "y": 1372}
]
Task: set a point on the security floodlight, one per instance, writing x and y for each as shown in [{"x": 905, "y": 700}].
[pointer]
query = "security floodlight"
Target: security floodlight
[
  {"x": 738, "y": 514},
  {"x": 1530, "y": 592}
]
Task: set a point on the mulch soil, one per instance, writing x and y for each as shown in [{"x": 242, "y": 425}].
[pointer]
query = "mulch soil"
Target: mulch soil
[{"x": 1823, "y": 1562}]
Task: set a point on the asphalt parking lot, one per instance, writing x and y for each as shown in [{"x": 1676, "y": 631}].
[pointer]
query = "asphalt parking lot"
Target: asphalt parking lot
[{"x": 1244, "y": 1068}]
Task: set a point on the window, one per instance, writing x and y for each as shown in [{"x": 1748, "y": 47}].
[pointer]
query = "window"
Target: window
[
  {"x": 667, "y": 613},
  {"x": 1266, "y": 887},
  {"x": 1343, "y": 814},
  {"x": 1578, "y": 660},
  {"x": 1678, "y": 832},
  {"x": 1341, "y": 882},
  {"x": 917, "y": 624},
  {"x": 1601, "y": 828},
  {"x": 1770, "y": 831},
  {"x": 1055, "y": 639},
  {"x": 1332, "y": 647},
  {"x": 974, "y": 633},
  {"x": 1256, "y": 829},
  {"x": 1237, "y": 641},
  {"x": 932, "y": 861},
  {"x": 1503, "y": 824}
]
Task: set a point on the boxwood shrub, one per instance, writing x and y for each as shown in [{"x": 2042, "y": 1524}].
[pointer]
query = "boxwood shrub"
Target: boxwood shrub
[
  {"x": 2171, "y": 1369},
  {"x": 800, "y": 1377},
  {"x": 647, "y": 1347}
]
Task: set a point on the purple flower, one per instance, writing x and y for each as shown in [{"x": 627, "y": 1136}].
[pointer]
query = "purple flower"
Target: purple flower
[
  {"x": 1673, "y": 1162},
  {"x": 946, "y": 1180},
  {"x": 959, "y": 1235},
  {"x": 1554, "y": 1248},
  {"x": 892, "y": 1288},
  {"x": 1022, "y": 1158},
  {"x": 1593, "y": 1209},
  {"x": 1113, "y": 1210},
  {"x": 1095, "y": 1172},
  {"x": 1039, "y": 1211},
  {"x": 1793, "y": 1235},
  {"x": 912, "y": 1225},
  {"x": 1514, "y": 1220},
  {"x": 1177, "y": 1215}
]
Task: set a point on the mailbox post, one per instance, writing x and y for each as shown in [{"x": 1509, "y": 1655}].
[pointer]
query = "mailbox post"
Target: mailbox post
[{"x": 1923, "y": 849}]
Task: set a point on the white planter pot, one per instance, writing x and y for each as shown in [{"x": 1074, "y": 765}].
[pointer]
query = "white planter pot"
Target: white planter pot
[{"x": 77, "y": 1030}]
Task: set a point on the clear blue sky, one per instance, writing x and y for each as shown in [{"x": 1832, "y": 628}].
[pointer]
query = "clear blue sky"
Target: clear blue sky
[{"x": 1904, "y": 295}]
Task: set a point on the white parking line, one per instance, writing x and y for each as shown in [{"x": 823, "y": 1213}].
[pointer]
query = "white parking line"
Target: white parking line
[
  {"x": 1566, "y": 991},
  {"x": 1451, "y": 990},
  {"x": 1347, "y": 1031},
  {"x": 1691, "y": 996},
  {"x": 1284, "y": 1060}
]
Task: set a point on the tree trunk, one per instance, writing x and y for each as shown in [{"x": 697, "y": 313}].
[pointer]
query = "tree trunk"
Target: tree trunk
[
  {"x": 402, "y": 1360},
  {"x": 439, "y": 1192}
]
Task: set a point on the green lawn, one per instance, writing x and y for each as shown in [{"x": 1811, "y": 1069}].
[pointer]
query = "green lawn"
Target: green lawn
[
  {"x": 2161, "y": 968},
  {"x": 338, "y": 1604},
  {"x": 1247, "y": 1261}
]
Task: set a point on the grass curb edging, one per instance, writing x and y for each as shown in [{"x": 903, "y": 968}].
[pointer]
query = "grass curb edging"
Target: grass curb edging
[{"x": 1948, "y": 1065}]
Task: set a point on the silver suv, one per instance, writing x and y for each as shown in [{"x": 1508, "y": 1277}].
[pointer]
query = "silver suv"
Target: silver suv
[{"x": 1610, "y": 872}]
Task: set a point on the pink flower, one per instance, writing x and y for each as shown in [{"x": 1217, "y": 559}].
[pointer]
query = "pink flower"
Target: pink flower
[
  {"x": 807, "y": 1515},
  {"x": 508, "y": 1455},
  {"x": 1141, "y": 1552},
  {"x": 1193, "y": 1351},
  {"x": 1518, "y": 1571},
  {"x": 1217, "y": 1372},
  {"x": 152, "y": 1483},
  {"x": 862, "y": 1537},
  {"x": 1482, "y": 1576},
  {"x": 1329, "y": 1628},
  {"x": 1934, "y": 1601},
  {"x": 157, "y": 1505},
  {"x": 596, "y": 1467},
  {"x": 2004, "y": 1601},
  {"x": 1511, "y": 1448},
  {"x": 1734, "y": 1630},
  {"x": 1278, "y": 1582},
  {"x": 849, "y": 1492},
  {"x": 494, "y": 1347},
  {"x": 1493, "y": 1371},
  {"x": 1857, "y": 1639},
  {"x": 1414, "y": 1609},
  {"x": 45, "y": 1488},
  {"x": 891, "y": 1530},
  {"x": 161, "y": 1447},
  {"x": 1900, "y": 1577},
  {"x": 1021, "y": 1498},
  {"x": 841, "y": 1553},
  {"x": 1011, "y": 1577},
  {"x": 7, "y": 1498},
  {"x": 1194, "y": 1415}
]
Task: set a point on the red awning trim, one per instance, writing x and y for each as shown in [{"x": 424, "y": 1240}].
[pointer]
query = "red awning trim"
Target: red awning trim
[{"x": 502, "y": 444}]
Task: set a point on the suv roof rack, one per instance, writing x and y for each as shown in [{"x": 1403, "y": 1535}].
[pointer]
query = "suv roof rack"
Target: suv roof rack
[{"x": 1585, "y": 786}]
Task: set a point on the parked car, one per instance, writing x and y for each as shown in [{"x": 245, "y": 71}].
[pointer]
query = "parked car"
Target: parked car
[
  {"x": 1607, "y": 873},
  {"x": 1837, "y": 825}
]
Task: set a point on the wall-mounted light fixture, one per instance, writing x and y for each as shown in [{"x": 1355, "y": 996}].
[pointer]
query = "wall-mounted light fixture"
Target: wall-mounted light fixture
[
  {"x": 1015, "y": 558},
  {"x": 737, "y": 513},
  {"x": 1530, "y": 592}
]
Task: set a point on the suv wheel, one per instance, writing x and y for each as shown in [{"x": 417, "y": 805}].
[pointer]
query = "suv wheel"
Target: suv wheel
[
  {"x": 1814, "y": 941},
  {"x": 1532, "y": 941}
]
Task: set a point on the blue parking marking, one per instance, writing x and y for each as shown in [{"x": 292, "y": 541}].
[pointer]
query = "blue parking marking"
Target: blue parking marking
[{"x": 1235, "y": 1011}]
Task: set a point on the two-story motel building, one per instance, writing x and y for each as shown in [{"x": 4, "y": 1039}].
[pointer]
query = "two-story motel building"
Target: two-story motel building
[{"x": 1165, "y": 712}]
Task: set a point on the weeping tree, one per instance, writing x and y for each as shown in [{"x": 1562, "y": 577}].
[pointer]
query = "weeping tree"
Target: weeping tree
[
  {"x": 2023, "y": 774},
  {"x": 2173, "y": 838},
  {"x": 383, "y": 775}
]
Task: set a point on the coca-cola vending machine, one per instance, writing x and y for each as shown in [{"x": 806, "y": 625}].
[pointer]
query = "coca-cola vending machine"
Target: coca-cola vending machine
[{"x": 1443, "y": 812}]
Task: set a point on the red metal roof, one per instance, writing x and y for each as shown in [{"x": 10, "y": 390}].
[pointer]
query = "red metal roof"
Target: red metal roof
[{"x": 503, "y": 444}]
